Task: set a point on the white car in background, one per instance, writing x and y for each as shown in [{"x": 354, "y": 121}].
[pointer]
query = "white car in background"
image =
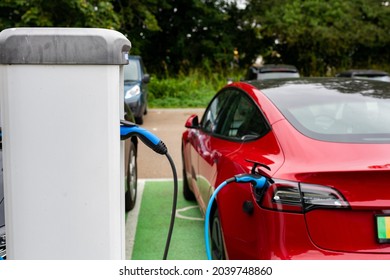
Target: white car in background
[{"x": 366, "y": 74}]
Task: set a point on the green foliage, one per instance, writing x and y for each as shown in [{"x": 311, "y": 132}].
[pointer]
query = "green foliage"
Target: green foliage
[
  {"x": 60, "y": 13},
  {"x": 176, "y": 37},
  {"x": 320, "y": 35},
  {"x": 193, "y": 90}
]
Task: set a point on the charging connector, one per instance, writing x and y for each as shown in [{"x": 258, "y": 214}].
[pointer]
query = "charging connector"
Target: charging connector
[{"x": 129, "y": 129}]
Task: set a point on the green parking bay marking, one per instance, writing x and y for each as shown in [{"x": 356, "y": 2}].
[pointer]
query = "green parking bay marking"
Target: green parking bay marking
[
  {"x": 383, "y": 225},
  {"x": 187, "y": 241}
]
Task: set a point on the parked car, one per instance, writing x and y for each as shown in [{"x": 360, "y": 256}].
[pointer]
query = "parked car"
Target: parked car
[
  {"x": 272, "y": 71},
  {"x": 131, "y": 145},
  {"x": 131, "y": 171},
  {"x": 135, "y": 87},
  {"x": 324, "y": 146},
  {"x": 365, "y": 74}
]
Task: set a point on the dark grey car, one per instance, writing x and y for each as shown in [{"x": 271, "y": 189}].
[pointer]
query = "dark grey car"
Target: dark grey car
[{"x": 135, "y": 87}]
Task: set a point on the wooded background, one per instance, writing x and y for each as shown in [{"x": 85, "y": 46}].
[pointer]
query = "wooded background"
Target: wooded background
[{"x": 174, "y": 36}]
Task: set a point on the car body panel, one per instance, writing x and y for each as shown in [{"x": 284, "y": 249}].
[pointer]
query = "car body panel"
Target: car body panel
[{"x": 355, "y": 169}]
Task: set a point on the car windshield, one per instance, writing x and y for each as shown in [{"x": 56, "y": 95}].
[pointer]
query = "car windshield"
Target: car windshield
[
  {"x": 131, "y": 71},
  {"x": 349, "y": 111}
]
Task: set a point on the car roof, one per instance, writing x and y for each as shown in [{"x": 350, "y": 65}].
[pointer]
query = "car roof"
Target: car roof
[
  {"x": 342, "y": 85},
  {"x": 296, "y": 99}
]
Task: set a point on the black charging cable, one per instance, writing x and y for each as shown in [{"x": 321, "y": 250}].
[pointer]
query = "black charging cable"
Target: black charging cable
[
  {"x": 129, "y": 129},
  {"x": 174, "y": 204}
]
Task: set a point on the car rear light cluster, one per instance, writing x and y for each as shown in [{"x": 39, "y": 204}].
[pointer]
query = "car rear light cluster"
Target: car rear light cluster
[{"x": 299, "y": 197}]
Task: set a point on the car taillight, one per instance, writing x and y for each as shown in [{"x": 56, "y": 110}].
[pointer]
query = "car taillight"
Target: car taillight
[{"x": 300, "y": 197}]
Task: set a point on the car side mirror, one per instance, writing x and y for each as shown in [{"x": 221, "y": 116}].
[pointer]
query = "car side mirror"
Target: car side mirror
[
  {"x": 146, "y": 78},
  {"x": 192, "y": 122}
]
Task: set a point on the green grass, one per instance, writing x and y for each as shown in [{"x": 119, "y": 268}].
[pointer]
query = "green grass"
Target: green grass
[
  {"x": 193, "y": 90},
  {"x": 187, "y": 241}
]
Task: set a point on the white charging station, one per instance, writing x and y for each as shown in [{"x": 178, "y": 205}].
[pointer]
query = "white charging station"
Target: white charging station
[{"x": 61, "y": 104}]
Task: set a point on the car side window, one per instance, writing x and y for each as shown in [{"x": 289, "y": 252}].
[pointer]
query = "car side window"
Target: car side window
[
  {"x": 214, "y": 114},
  {"x": 238, "y": 117}
]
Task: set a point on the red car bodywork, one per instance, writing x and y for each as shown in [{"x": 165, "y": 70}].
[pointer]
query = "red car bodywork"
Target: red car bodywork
[{"x": 359, "y": 172}]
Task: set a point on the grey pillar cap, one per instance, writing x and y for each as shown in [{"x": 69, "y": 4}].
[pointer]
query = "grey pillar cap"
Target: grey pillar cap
[{"x": 63, "y": 46}]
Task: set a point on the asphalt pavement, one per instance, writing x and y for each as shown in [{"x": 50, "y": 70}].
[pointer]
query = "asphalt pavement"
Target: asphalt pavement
[{"x": 168, "y": 125}]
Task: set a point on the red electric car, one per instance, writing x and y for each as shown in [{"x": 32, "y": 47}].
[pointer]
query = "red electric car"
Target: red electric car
[{"x": 324, "y": 146}]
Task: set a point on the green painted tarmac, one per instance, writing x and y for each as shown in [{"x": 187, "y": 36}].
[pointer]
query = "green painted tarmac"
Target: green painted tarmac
[{"x": 187, "y": 241}]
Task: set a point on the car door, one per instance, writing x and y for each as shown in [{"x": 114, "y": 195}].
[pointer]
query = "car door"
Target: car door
[
  {"x": 203, "y": 154},
  {"x": 241, "y": 133}
]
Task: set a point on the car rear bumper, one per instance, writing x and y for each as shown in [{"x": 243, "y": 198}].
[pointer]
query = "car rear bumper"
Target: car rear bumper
[{"x": 284, "y": 236}]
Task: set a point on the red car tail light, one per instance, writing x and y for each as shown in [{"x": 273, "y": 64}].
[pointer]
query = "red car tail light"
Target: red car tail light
[
  {"x": 299, "y": 197},
  {"x": 321, "y": 196}
]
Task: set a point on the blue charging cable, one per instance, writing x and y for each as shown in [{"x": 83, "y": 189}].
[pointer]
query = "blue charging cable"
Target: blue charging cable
[{"x": 257, "y": 182}]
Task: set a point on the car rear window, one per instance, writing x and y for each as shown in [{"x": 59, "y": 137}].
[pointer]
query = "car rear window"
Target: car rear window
[{"x": 353, "y": 112}]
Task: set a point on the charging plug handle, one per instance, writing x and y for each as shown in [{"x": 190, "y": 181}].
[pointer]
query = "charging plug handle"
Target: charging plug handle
[
  {"x": 129, "y": 129},
  {"x": 256, "y": 180}
]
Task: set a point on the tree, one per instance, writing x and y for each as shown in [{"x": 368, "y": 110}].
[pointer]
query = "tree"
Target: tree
[
  {"x": 60, "y": 13},
  {"x": 193, "y": 33},
  {"x": 319, "y": 35},
  {"x": 177, "y": 35},
  {"x": 137, "y": 20}
]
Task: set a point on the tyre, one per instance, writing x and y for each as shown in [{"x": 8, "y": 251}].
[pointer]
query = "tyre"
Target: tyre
[
  {"x": 131, "y": 178},
  {"x": 216, "y": 242}
]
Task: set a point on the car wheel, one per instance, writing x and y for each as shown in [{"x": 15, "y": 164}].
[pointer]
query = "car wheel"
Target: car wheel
[
  {"x": 217, "y": 245},
  {"x": 131, "y": 180},
  {"x": 187, "y": 193}
]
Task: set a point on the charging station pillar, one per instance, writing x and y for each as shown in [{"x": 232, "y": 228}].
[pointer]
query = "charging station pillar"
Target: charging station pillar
[{"x": 61, "y": 104}]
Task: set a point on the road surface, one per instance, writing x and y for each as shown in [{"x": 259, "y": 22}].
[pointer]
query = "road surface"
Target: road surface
[{"x": 168, "y": 125}]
